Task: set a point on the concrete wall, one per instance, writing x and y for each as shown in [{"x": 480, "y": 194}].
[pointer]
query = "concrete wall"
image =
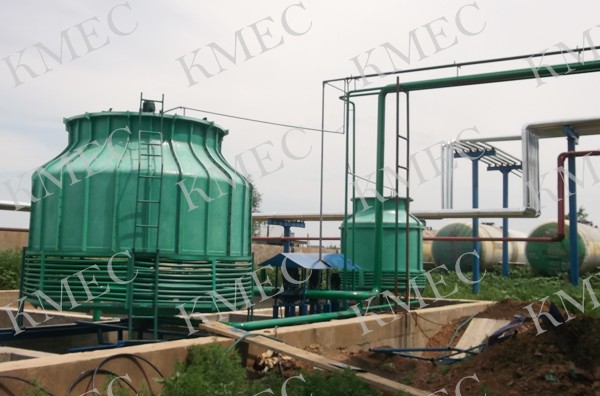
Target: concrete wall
[
  {"x": 8, "y": 354},
  {"x": 55, "y": 342},
  {"x": 55, "y": 373},
  {"x": 403, "y": 330},
  {"x": 8, "y": 297},
  {"x": 13, "y": 238}
]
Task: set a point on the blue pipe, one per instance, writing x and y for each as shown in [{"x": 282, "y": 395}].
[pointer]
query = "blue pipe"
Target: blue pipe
[
  {"x": 573, "y": 248},
  {"x": 476, "y": 244},
  {"x": 505, "y": 223},
  {"x": 287, "y": 244}
]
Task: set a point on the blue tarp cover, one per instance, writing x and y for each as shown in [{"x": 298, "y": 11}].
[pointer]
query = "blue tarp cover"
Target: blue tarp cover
[{"x": 310, "y": 261}]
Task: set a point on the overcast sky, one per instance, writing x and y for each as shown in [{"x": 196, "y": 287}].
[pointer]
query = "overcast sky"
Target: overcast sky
[{"x": 113, "y": 50}]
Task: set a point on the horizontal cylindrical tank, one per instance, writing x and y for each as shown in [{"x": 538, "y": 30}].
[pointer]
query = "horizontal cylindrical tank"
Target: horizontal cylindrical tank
[
  {"x": 358, "y": 243},
  {"x": 155, "y": 191},
  {"x": 551, "y": 258},
  {"x": 449, "y": 252},
  {"x": 427, "y": 255}
]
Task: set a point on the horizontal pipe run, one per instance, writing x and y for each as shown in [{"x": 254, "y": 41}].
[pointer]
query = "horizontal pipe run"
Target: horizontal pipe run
[
  {"x": 295, "y": 238},
  {"x": 460, "y": 64},
  {"x": 433, "y": 214},
  {"x": 560, "y": 229},
  {"x": 441, "y": 214},
  {"x": 431, "y": 349},
  {"x": 17, "y": 206},
  {"x": 325, "y": 294},
  {"x": 292, "y": 321},
  {"x": 493, "y": 139},
  {"x": 495, "y": 77},
  {"x": 304, "y": 319},
  {"x": 341, "y": 294},
  {"x": 297, "y": 216},
  {"x": 563, "y": 156},
  {"x": 496, "y": 239},
  {"x": 428, "y": 215},
  {"x": 560, "y": 232},
  {"x": 475, "y": 213}
]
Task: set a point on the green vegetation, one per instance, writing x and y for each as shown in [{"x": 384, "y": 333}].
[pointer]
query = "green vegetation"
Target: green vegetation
[
  {"x": 35, "y": 390},
  {"x": 122, "y": 387},
  {"x": 344, "y": 383},
  {"x": 256, "y": 201},
  {"x": 212, "y": 370},
  {"x": 522, "y": 285},
  {"x": 582, "y": 216},
  {"x": 208, "y": 370},
  {"x": 10, "y": 269}
]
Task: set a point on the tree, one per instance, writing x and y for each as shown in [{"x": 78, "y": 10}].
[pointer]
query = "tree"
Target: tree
[
  {"x": 582, "y": 216},
  {"x": 256, "y": 201}
]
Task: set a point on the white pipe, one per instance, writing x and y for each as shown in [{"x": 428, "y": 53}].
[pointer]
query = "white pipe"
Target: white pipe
[{"x": 18, "y": 206}]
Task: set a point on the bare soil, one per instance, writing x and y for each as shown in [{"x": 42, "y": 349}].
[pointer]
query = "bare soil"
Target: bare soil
[{"x": 564, "y": 360}]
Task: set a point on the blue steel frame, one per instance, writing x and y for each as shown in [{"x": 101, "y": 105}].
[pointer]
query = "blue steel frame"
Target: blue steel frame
[
  {"x": 475, "y": 156},
  {"x": 505, "y": 170},
  {"x": 287, "y": 225}
]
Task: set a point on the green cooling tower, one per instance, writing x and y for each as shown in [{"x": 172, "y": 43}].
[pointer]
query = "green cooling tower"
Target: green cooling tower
[
  {"x": 359, "y": 244},
  {"x": 139, "y": 213}
]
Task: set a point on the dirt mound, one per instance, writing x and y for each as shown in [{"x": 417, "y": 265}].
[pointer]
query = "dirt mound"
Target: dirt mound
[
  {"x": 564, "y": 360},
  {"x": 507, "y": 309}
]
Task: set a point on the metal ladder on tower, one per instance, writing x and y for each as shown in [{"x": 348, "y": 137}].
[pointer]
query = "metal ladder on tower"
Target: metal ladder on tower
[
  {"x": 147, "y": 218},
  {"x": 406, "y": 168}
]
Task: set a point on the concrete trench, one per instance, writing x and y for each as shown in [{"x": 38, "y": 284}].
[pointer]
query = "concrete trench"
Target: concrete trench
[{"x": 33, "y": 359}]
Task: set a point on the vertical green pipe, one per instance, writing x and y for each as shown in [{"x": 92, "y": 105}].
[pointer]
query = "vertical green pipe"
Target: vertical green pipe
[
  {"x": 346, "y": 166},
  {"x": 322, "y": 166},
  {"x": 22, "y": 285},
  {"x": 155, "y": 297},
  {"x": 378, "y": 259},
  {"x": 407, "y": 207},
  {"x": 397, "y": 187},
  {"x": 353, "y": 247},
  {"x": 129, "y": 298},
  {"x": 213, "y": 267}
]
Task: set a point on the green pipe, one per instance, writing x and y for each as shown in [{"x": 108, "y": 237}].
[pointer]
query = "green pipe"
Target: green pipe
[
  {"x": 346, "y": 171},
  {"x": 503, "y": 76},
  {"x": 353, "y": 247},
  {"x": 341, "y": 294},
  {"x": 484, "y": 78},
  {"x": 365, "y": 94},
  {"x": 329, "y": 294},
  {"x": 297, "y": 320},
  {"x": 378, "y": 254},
  {"x": 345, "y": 222}
]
